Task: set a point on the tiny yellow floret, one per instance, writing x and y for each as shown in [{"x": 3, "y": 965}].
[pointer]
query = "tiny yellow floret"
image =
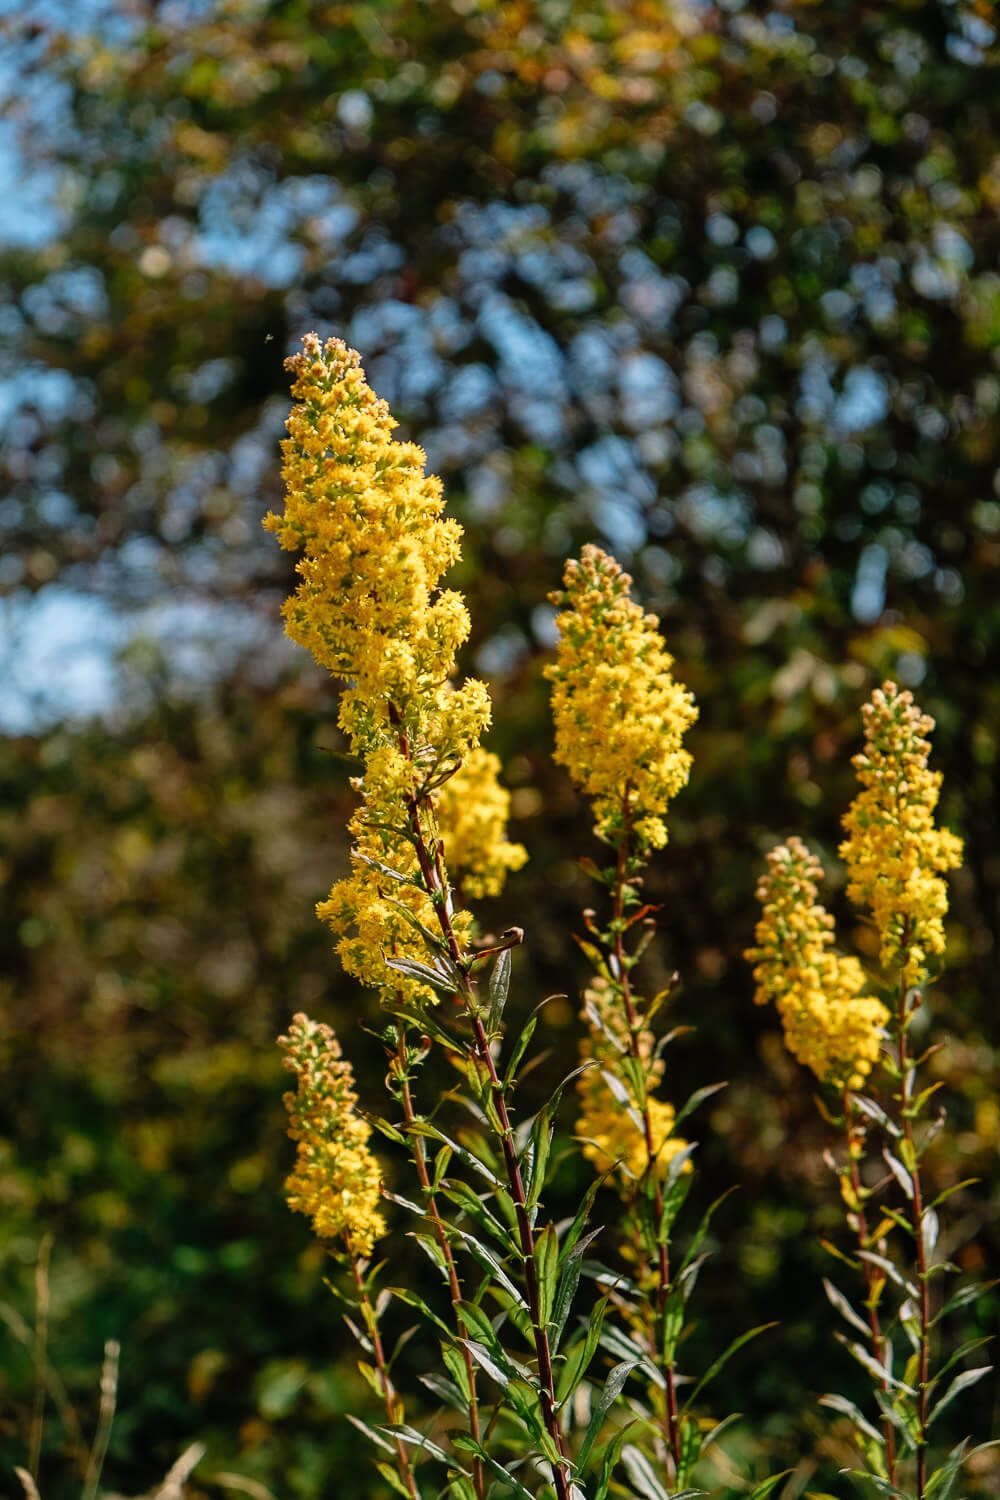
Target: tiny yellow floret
[
  {"x": 829, "y": 1025},
  {"x": 620, "y": 716},
  {"x": 895, "y": 855},
  {"x": 336, "y": 1180}
]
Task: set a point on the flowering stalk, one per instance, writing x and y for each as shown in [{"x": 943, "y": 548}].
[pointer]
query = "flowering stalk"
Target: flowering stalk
[
  {"x": 896, "y": 857},
  {"x": 856, "y": 1195},
  {"x": 664, "y": 1351},
  {"x": 620, "y": 718},
  {"x": 393, "y": 1405},
  {"x": 399, "y": 1072},
  {"x": 436, "y": 885}
]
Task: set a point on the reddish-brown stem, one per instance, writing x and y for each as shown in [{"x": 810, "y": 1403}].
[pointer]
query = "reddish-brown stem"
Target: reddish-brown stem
[
  {"x": 917, "y": 1210},
  {"x": 671, "y": 1422},
  {"x": 441, "y": 1235},
  {"x": 393, "y": 1405},
  {"x": 435, "y": 883},
  {"x": 864, "y": 1243}
]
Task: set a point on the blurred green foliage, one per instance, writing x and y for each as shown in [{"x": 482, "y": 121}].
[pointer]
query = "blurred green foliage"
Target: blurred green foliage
[{"x": 714, "y": 284}]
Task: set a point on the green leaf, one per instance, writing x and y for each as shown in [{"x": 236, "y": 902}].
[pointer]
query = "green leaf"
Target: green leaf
[
  {"x": 892, "y": 1271},
  {"x": 569, "y": 1280},
  {"x": 424, "y": 1127},
  {"x": 499, "y": 990},
  {"x": 520, "y": 1048},
  {"x": 578, "y": 1360},
  {"x": 762, "y": 1490},
  {"x": 643, "y": 1476},
  {"x": 546, "y": 1268},
  {"x": 445, "y": 983},
  {"x": 489, "y": 1263},
  {"x": 392, "y": 1479},
  {"x": 848, "y": 1409},
  {"x": 484, "y": 1358},
  {"x": 573, "y": 1233},
  {"x": 609, "y": 1458},
  {"x": 724, "y": 1358},
  {"x": 463, "y": 1197},
  {"x": 403, "y": 1294},
  {"x": 962, "y": 1298},
  {"x": 613, "y": 1388},
  {"x": 876, "y": 1112},
  {"x": 698, "y": 1238},
  {"x": 698, "y": 1097},
  {"x": 962, "y": 1352},
  {"x": 959, "y": 1384},
  {"x": 900, "y": 1173},
  {"x": 716, "y": 1432},
  {"x": 511, "y": 1483},
  {"x": 869, "y": 1363},
  {"x": 956, "y": 1187},
  {"x": 455, "y": 1365},
  {"x": 446, "y": 1391},
  {"x": 370, "y": 1433},
  {"x": 441, "y": 1164},
  {"x": 415, "y": 1439},
  {"x": 840, "y": 1302}
]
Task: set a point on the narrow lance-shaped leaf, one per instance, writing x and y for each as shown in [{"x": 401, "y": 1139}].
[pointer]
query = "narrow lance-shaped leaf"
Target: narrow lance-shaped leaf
[{"x": 613, "y": 1387}]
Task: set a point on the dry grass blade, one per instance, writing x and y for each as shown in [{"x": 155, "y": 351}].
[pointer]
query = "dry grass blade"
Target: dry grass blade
[
  {"x": 172, "y": 1487},
  {"x": 28, "y": 1483},
  {"x": 106, "y": 1416},
  {"x": 41, "y": 1351},
  {"x": 245, "y": 1486}
]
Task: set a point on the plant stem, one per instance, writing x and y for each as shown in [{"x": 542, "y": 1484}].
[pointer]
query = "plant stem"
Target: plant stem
[
  {"x": 393, "y": 1405},
  {"x": 906, "y": 1070},
  {"x": 441, "y": 1235},
  {"x": 436, "y": 885},
  {"x": 864, "y": 1243},
  {"x": 671, "y": 1423}
]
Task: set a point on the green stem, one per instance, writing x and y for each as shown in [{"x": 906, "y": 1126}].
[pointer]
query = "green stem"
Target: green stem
[
  {"x": 907, "y": 1070},
  {"x": 393, "y": 1404},
  {"x": 878, "y": 1341},
  {"x": 671, "y": 1423},
  {"x": 436, "y": 885},
  {"x": 441, "y": 1235}
]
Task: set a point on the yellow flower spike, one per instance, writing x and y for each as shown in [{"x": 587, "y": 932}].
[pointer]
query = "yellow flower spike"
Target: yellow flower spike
[
  {"x": 336, "y": 1180},
  {"x": 620, "y": 716},
  {"x": 895, "y": 855},
  {"x": 472, "y": 808},
  {"x": 612, "y": 1138},
  {"x": 829, "y": 1025},
  {"x": 375, "y": 546}
]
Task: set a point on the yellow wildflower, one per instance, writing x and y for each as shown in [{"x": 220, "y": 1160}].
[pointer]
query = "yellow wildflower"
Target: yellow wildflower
[
  {"x": 336, "y": 1180},
  {"x": 369, "y": 522},
  {"x": 612, "y": 1131},
  {"x": 375, "y": 542},
  {"x": 894, "y": 854},
  {"x": 472, "y": 810},
  {"x": 829, "y": 1025},
  {"x": 619, "y": 714}
]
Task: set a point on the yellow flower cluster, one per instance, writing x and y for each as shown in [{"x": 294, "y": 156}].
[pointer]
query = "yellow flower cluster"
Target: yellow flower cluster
[
  {"x": 369, "y": 607},
  {"x": 472, "y": 809},
  {"x": 619, "y": 714},
  {"x": 336, "y": 1180},
  {"x": 613, "y": 1138},
  {"x": 375, "y": 542},
  {"x": 829, "y": 1025},
  {"x": 894, "y": 853}
]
